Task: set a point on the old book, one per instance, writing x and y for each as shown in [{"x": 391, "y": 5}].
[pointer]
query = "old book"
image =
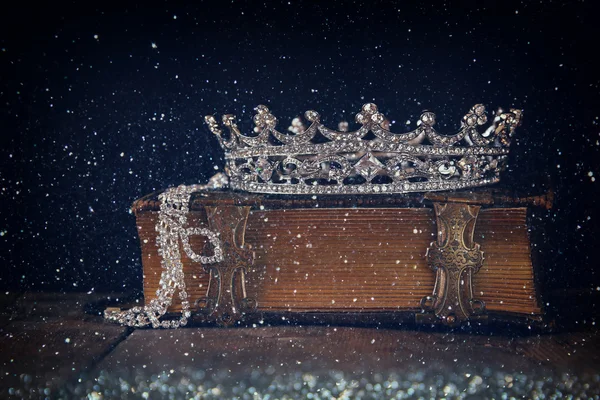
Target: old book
[{"x": 448, "y": 258}]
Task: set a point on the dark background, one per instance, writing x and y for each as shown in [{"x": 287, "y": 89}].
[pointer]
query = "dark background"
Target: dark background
[{"x": 91, "y": 123}]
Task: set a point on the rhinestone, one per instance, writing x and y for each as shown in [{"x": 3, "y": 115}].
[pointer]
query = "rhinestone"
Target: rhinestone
[
  {"x": 378, "y": 118},
  {"x": 172, "y": 219},
  {"x": 261, "y": 109},
  {"x": 360, "y": 118},
  {"x": 312, "y": 116},
  {"x": 368, "y": 166},
  {"x": 479, "y": 109},
  {"x": 369, "y": 108}
]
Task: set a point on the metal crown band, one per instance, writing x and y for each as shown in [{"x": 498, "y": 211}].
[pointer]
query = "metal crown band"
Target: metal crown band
[{"x": 370, "y": 160}]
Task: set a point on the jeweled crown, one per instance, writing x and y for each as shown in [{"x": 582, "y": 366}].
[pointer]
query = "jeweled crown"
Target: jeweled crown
[{"x": 370, "y": 160}]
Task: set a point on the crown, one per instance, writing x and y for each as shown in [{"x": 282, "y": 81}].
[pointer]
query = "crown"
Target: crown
[{"x": 370, "y": 160}]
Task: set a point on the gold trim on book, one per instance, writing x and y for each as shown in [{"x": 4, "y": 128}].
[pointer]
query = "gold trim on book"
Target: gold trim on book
[
  {"x": 226, "y": 298},
  {"x": 454, "y": 257}
]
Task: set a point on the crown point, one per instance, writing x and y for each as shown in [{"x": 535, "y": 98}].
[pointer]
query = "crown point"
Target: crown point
[
  {"x": 361, "y": 118},
  {"x": 270, "y": 121},
  {"x": 312, "y": 116},
  {"x": 378, "y": 118},
  {"x": 472, "y": 119},
  {"x": 264, "y": 118},
  {"x": 479, "y": 110},
  {"x": 370, "y": 108},
  {"x": 212, "y": 124},
  {"x": 428, "y": 118},
  {"x": 261, "y": 109},
  {"x": 228, "y": 120},
  {"x": 518, "y": 114},
  {"x": 476, "y": 116}
]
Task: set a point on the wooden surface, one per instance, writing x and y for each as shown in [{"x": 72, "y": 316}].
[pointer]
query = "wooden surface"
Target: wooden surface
[
  {"x": 56, "y": 345},
  {"x": 359, "y": 351},
  {"x": 47, "y": 339}
]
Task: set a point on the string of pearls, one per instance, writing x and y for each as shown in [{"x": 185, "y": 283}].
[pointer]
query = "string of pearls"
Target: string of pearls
[{"x": 171, "y": 227}]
